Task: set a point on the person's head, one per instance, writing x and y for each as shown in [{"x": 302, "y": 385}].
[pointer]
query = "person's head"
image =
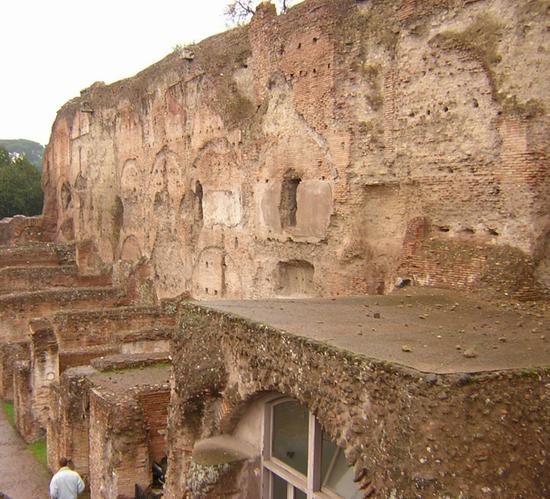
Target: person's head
[{"x": 63, "y": 461}]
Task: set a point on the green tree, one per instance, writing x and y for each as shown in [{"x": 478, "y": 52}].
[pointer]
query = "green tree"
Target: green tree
[{"x": 20, "y": 186}]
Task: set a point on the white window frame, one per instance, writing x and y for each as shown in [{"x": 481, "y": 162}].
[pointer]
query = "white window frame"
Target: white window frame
[{"x": 310, "y": 485}]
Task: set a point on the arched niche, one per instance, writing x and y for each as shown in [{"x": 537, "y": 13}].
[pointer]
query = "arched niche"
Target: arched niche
[{"x": 131, "y": 250}]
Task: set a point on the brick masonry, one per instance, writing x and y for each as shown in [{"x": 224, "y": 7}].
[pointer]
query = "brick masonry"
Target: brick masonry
[{"x": 382, "y": 113}]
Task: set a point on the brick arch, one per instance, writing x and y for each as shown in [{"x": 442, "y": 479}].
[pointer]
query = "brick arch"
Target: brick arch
[
  {"x": 234, "y": 405},
  {"x": 242, "y": 362}
]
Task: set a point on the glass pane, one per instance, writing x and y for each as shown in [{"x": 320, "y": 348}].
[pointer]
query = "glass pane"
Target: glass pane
[
  {"x": 328, "y": 452},
  {"x": 298, "y": 494},
  {"x": 279, "y": 487},
  {"x": 290, "y": 435},
  {"x": 336, "y": 474}
]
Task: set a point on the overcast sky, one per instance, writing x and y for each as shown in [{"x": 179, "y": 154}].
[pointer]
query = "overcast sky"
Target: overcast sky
[{"x": 50, "y": 50}]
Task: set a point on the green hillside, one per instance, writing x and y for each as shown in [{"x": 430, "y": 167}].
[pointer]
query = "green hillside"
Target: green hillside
[{"x": 33, "y": 151}]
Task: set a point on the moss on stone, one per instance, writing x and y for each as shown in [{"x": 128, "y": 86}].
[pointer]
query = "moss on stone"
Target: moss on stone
[{"x": 202, "y": 478}]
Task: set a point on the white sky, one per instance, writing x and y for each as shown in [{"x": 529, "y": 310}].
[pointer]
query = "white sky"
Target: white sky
[{"x": 50, "y": 50}]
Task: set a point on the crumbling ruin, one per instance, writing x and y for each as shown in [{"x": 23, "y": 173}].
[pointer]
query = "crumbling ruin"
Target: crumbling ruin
[{"x": 238, "y": 218}]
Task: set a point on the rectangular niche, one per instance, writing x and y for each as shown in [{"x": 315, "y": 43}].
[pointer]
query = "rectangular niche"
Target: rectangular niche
[{"x": 296, "y": 278}]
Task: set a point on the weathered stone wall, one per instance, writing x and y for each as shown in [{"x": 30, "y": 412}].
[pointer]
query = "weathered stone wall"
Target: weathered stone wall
[
  {"x": 118, "y": 447},
  {"x": 155, "y": 410},
  {"x": 17, "y": 309},
  {"x": 291, "y": 156},
  {"x": 33, "y": 279},
  {"x": 44, "y": 364},
  {"x": 88, "y": 328},
  {"x": 68, "y": 422},
  {"x": 22, "y": 402},
  {"x": 21, "y": 230},
  {"x": 9, "y": 354},
  {"x": 407, "y": 434},
  {"x": 119, "y": 428}
]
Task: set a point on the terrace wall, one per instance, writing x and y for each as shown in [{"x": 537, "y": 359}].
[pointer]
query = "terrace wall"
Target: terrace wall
[{"x": 292, "y": 156}]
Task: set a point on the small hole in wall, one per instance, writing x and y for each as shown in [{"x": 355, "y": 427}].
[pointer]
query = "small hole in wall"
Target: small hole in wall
[
  {"x": 281, "y": 50},
  {"x": 266, "y": 180},
  {"x": 236, "y": 243},
  {"x": 475, "y": 103},
  {"x": 206, "y": 290},
  {"x": 493, "y": 232},
  {"x": 299, "y": 45},
  {"x": 314, "y": 71},
  {"x": 206, "y": 264},
  {"x": 428, "y": 112},
  {"x": 328, "y": 65},
  {"x": 215, "y": 291},
  {"x": 443, "y": 228},
  {"x": 445, "y": 108},
  {"x": 315, "y": 39},
  {"x": 468, "y": 230},
  {"x": 323, "y": 177}
]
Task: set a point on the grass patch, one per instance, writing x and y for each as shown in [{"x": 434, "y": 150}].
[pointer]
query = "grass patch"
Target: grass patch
[
  {"x": 40, "y": 451},
  {"x": 10, "y": 412}
]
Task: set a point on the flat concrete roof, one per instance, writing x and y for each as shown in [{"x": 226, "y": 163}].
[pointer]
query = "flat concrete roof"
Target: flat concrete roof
[
  {"x": 135, "y": 379},
  {"x": 427, "y": 329}
]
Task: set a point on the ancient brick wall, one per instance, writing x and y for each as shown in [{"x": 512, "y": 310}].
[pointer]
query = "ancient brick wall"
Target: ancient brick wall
[
  {"x": 118, "y": 448},
  {"x": 22, "y": 402},
  {"x": 68, "y": 422},
  {"x": 21, "y": 230},
  {"x": 34, "y": 279},
  {"x": 17, "y": 309},
  {"x": 44, "y": 363},
  {"x": 9, "y": 354},
  {"x": 290, "y": 156},
  {"x": 155, "y": 411},
  {"x": 96, "y": 328}
]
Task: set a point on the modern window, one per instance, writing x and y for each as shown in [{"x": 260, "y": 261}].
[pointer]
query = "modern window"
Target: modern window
[{"x": 300, "y": 461}]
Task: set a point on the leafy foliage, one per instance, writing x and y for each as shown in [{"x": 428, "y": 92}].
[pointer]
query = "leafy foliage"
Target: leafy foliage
[{"x": 20, "y": 186}]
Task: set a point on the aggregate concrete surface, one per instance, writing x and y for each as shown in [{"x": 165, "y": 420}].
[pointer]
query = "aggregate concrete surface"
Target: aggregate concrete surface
[
  {"x": 22, "y": 476},
  {"x": 431, "y": 330}
]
